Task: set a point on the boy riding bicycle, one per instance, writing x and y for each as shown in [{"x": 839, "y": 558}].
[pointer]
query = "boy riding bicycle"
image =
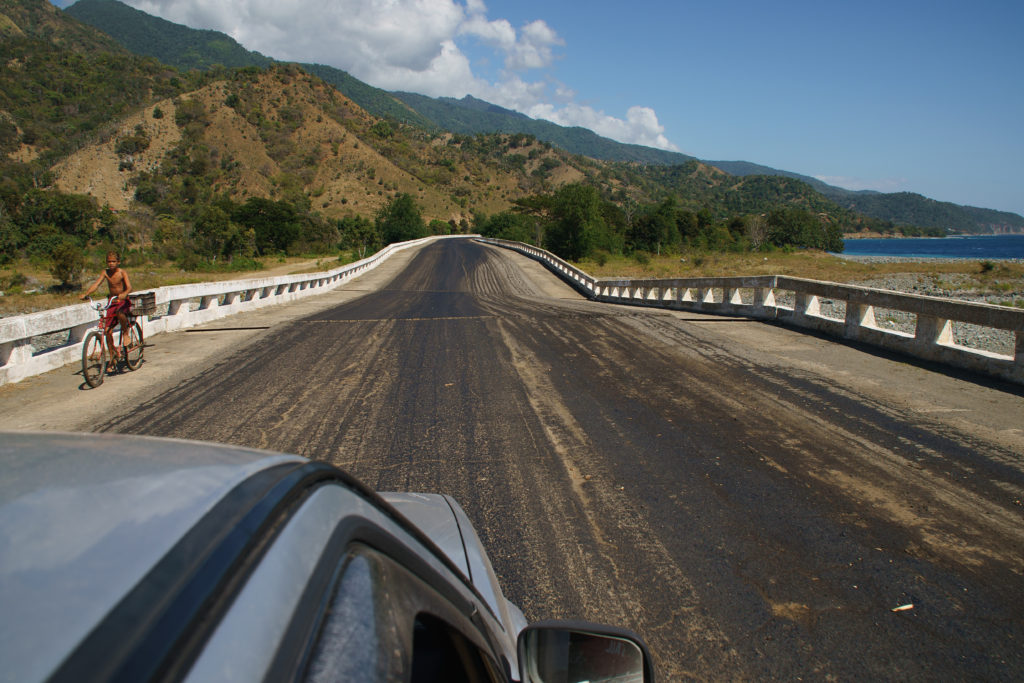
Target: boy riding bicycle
[{"x": 118, "y": 288}]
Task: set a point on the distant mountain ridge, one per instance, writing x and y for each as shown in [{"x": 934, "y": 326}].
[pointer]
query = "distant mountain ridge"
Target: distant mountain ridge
[
  {"x": 188, "y": 48},
  {"x": 174, "y": 44},
  {"x": 470, "y": 116}
]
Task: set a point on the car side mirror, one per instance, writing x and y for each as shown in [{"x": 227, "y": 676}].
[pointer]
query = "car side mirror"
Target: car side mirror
[{"x": 579, "y": 652}]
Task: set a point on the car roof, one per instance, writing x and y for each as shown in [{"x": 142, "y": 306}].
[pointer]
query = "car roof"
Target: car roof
[{"x": 82, "y": 521}]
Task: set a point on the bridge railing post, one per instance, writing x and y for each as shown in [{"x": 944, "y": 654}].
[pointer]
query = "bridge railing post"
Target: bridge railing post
[{"x": 930, "y": 331}]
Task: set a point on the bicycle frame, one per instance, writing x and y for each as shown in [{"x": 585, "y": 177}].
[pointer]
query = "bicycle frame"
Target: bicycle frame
[{"x": 101, "y": 309}]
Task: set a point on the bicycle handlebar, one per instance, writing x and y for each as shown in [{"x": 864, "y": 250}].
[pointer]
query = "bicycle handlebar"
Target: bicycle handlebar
[{"x": 102, "y": 305}]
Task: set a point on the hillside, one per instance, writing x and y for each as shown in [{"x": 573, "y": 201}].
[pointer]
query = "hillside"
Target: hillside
[
  {"x": 99, "y": 146},
  {"x": 114, "y": 126},
  {"x": 282, "y": 133},
  {"x": 900, "y": 208},
  {"x": 908, "y": 208},
  {"x": 64, "y": 81}
]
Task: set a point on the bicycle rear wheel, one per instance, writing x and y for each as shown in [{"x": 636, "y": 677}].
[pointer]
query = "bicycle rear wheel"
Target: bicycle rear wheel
[
  {"x": 94, "y": 359},
  {"x": 133, "y": 346}
]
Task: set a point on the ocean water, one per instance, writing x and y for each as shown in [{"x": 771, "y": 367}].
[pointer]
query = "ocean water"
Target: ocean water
[{"x": 979, "y": 247}]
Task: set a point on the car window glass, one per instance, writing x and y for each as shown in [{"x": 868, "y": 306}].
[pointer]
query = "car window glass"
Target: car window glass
[
  {"x": 382, "y": 626},
  {"x": 349, "y": 647},
  {"x": 441, "y": 653}
]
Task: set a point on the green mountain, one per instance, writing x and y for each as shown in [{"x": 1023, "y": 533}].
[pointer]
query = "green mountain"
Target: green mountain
[
  {"x": 188, "y": 48},
  {"x": 908, "y": 208},
  {"x": 900, "y": 208},
  {"x": 173, "y": 44}
]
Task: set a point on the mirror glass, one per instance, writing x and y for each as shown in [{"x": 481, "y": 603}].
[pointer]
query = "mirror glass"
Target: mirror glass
[{"x": 569, "y": 656}]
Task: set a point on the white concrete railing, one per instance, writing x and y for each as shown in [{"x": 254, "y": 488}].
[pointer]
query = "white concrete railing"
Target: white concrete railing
[
  {"x": 187, "y": 306},
  {"x": 843, "y": 311}
]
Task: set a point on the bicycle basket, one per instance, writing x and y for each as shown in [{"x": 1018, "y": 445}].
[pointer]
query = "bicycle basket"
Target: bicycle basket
[{"x": 143, "y": 303}]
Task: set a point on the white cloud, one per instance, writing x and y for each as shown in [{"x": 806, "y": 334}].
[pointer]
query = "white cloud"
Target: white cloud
[
  {"x": 856, "y": 184},
  {"x": 413, "y": 45},
  {"x": 350, "y": 34},
  {"x": 534, "y": 49},
  {"x": 499, "y": 33},
  {"x": 640, "y": 126}
]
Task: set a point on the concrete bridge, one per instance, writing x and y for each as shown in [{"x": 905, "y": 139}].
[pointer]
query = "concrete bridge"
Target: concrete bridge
[{"x": 756, "y": 499}]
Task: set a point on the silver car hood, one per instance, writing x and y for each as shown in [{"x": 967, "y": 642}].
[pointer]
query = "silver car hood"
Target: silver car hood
[{"x": 89, "y": 518}]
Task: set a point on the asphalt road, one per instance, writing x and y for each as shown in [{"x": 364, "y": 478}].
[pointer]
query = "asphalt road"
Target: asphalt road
[{"x": 753, "y": 500}]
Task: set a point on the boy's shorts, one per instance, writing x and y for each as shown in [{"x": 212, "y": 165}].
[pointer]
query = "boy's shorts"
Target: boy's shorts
[{"x": 118, "y": 306}]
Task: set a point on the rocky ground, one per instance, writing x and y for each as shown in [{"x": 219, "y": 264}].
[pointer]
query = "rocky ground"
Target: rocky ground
[{"x": 947, "y": 286}]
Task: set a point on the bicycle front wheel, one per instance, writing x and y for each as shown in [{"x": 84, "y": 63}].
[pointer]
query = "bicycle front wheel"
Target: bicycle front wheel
[
  {"x": 133, "y": 346},
  {"x": 94, "y": 359}
]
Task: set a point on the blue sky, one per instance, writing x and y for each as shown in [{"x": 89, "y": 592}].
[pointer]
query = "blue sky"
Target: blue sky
[
  {"x": 918, "y": 96},
  {"x": 901, "y": 95}
]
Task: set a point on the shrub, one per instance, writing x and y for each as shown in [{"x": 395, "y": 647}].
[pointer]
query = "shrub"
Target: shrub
[
  {"x": 67, "y": 264},
  {"x": 132, "y": 144},
  {"x": 16, "y": 282}
]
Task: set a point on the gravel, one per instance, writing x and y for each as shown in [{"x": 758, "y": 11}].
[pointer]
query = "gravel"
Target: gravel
[{"x": 955, "y": 286}]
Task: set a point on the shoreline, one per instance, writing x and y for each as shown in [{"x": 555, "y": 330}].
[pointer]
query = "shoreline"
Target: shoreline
[
  {"x": 887, "y": 236},
  {"x": 879, "y": 258}
]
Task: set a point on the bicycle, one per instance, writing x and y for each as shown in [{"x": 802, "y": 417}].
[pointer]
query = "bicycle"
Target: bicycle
[{"x": 96, "y": 356}]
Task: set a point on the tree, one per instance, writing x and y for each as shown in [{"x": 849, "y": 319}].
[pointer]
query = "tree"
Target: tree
[
  {"x": 72, "y": 214},
  {"x": 656, "y": 229},
  {"x": 213, "y": 232},
  {"x": 800, "y": 228},
  {"x": 11, "y": 238},
  {"x": 539, "y": 208},
  {"x": 757, "y": 231},
  {"x": 578, "y": 224},
  {"x": 439, "y": 227},
  {"x": 400, "y": 220},
  {"x": 507, "y": 226},
  {"x": 276, "y": 224},
  {"x": 360, "y": 234}
]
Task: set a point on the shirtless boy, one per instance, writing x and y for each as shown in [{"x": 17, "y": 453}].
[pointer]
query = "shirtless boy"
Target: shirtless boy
[{"x": 118, "y": 286}]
